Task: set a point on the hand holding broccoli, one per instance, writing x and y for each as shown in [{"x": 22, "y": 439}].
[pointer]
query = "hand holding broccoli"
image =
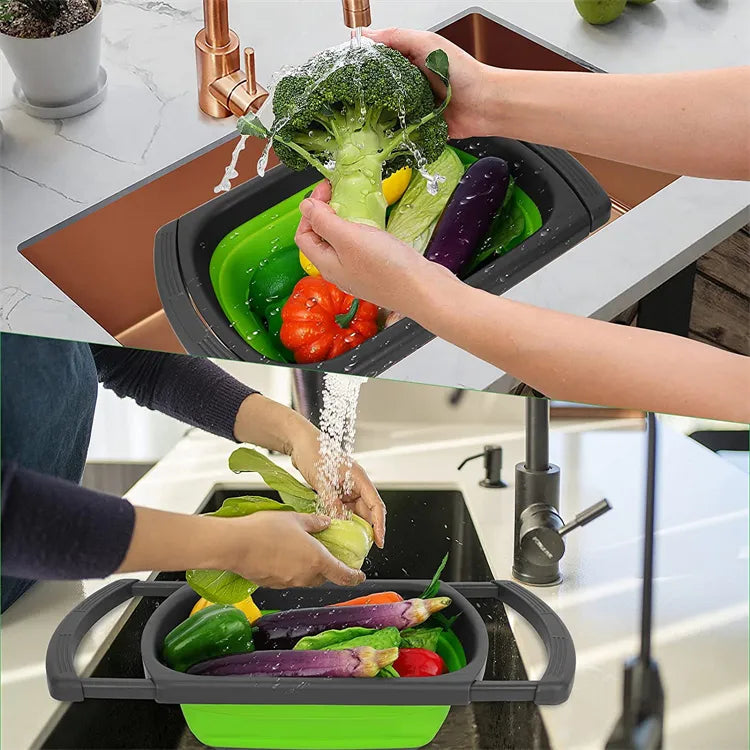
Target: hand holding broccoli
[{"x": 467, "y": 115}]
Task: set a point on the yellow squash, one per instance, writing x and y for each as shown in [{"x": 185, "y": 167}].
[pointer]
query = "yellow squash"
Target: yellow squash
[{"x": 246, "y": 606}]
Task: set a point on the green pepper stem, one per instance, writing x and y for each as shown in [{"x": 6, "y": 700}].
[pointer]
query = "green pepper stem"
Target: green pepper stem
[{"x": 344, "y": 320}]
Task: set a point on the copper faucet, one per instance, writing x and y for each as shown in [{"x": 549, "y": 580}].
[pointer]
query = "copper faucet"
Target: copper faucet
[{"x": 223, "y": 89}]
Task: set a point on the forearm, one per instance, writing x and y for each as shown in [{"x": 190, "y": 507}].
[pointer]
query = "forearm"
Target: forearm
[
  {"x": 267, "y": 423},
  {"x": 191, "y": 389},
  {"x": 174, "y": 541},
  {"x": 693, "y": 123},
  {"x": 587, "y": 361},
  {"x": 55, "y": 529}
]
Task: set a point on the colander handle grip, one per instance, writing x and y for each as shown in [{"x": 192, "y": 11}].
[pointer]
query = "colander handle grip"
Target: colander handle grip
[
  {"x": 188, "y": 326},
  {"x": 595, "y": 200},
  {"x": 62, "y": 679},
  {"x": 557, "y": 681}
]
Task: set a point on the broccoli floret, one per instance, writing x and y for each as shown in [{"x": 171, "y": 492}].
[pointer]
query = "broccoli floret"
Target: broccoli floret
[{"x": 357, "y": 116}]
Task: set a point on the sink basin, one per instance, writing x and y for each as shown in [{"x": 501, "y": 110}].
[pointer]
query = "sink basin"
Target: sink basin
[
  {"x": 80, "y": 254},
  {"x": 444, "y": 524}
]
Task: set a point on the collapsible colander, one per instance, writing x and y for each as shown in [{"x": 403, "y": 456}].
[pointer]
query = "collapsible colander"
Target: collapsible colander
[
  {"x": 201, "y": 271},
  {"x": 313, "y": 713}
]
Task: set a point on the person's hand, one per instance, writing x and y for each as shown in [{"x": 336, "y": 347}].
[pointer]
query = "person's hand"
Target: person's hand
[
  {"x": 467, "y": 114},
  {"x": 362, "y": 260},
  {"x": 363, "y": 500},
  {"x": 276, "y": 550},
  {"x": 277, "y": 427}
]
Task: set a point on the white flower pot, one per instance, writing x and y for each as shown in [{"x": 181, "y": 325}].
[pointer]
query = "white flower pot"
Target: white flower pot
[{"x": 58, "y": 73}]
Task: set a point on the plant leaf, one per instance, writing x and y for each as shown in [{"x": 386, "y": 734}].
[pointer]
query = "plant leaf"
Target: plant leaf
[
  {"x": 434, "y": 586},
  {"x": 249, "y": 124},
  {"x": 437, "y": 62},
  {"x": 388, "y": 671},
  {"x": 235, "y": 507},
  {"x": 445, "y": 622},
  {"x": 247, "y": 459},
  {"x": 420, "y": 637},
  {"x": 300, "y": 504},
  {"x": 220, "y": 586}
]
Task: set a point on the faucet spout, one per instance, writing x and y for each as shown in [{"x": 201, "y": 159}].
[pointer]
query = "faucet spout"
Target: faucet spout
[
  {"x": 223, "y": 89},
  {"x": 356, "y": 13}
]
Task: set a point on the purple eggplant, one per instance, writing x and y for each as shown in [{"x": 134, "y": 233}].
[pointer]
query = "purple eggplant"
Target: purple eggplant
[
  {"x": 364, "y": 661},
  {"x": 283, "y": 629},
  {"x": 467, "y": 217}
]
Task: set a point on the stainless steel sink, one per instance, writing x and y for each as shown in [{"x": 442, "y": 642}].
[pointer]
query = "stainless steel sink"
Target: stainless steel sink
[
  {"x": 103, "y": 258},
  {"x": 423, "y": 526}
]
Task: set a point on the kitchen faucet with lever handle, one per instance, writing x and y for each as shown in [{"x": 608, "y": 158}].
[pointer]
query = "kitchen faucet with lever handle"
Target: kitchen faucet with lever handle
[
  {"x": 539, "y": 533},
  {"x": 223, "y": 89},
  {"x": 539, "y": 530}
]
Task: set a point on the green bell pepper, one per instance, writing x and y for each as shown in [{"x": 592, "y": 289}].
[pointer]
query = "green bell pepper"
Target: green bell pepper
[
  {"x": 218, "y": 630},
  {"x": 274, "y": 279},
  {"x": 270, "y": 285}
]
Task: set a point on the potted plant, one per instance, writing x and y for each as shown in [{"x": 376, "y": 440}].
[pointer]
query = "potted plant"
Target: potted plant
[{"x": 54, "y": 50}]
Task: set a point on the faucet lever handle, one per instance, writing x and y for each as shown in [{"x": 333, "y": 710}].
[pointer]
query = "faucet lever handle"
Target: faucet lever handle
[
  {"x": 250, "y": 84},
  {"x": 586, "y": 516}
]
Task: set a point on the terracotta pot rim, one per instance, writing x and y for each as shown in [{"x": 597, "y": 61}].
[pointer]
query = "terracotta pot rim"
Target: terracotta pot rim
[{"x": 59, "y": 36}]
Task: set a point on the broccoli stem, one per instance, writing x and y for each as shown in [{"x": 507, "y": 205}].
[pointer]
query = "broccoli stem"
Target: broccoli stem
[
  {"x": 356, "y": 181},
  {"x": 357, "y": 193}
]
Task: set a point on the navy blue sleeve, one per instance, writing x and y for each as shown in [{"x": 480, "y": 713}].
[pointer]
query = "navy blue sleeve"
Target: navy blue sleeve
[
  {"x": 190, "y": 389},
  {"x": 53, "y": 529}
]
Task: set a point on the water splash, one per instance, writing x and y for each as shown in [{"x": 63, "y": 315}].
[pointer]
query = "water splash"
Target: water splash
[{"x": 230, "y": 172}]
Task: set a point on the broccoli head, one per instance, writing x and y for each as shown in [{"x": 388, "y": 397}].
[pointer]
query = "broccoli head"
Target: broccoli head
[{"x": 357, "y": 115}]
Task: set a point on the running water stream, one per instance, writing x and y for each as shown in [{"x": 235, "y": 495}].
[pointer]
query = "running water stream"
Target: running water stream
[
  {"x": 338, "y": 417},
  {"x": 231, "y": 171}
]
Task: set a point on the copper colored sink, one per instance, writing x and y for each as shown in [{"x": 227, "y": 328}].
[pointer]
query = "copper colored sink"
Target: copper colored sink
[{"x": 103, "y": 258}]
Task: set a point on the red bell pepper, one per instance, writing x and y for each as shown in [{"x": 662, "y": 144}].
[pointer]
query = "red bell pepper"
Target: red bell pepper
[
  {"x": 419, "y": 662},
  {"x": 321, "y": 322}
]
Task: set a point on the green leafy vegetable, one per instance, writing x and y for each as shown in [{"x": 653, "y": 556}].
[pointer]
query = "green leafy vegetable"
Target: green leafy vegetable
[
  {"x": 335, "y": 640},
  {"x": 234, "y": 507},
  {"x": 445, "y": 622},
  {"x": 414, "y": 217},
  {"x": 387, "y": 672},
  {"x": 293, "y": 492},
  {"x": 348, "y": 541},
  {"x": 220, "y": 586},
  {"x": 434, "y": 585},
  {"x": 329, "y": 638},
  {"x": 420, "y": 637}
]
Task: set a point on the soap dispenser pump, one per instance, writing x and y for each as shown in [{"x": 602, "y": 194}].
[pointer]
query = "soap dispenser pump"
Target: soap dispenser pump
[{"x": 493, "y": 466}]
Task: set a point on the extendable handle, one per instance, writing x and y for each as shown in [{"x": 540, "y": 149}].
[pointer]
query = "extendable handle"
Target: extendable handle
[
  {"x": 62, "y": 679},
  {"x": 557, "y": 681}
]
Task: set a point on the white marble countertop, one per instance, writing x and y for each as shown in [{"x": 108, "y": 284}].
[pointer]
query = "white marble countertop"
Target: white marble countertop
[
  {"x": 50, "y": 171},
  {"x": 701, "y": 591}
]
